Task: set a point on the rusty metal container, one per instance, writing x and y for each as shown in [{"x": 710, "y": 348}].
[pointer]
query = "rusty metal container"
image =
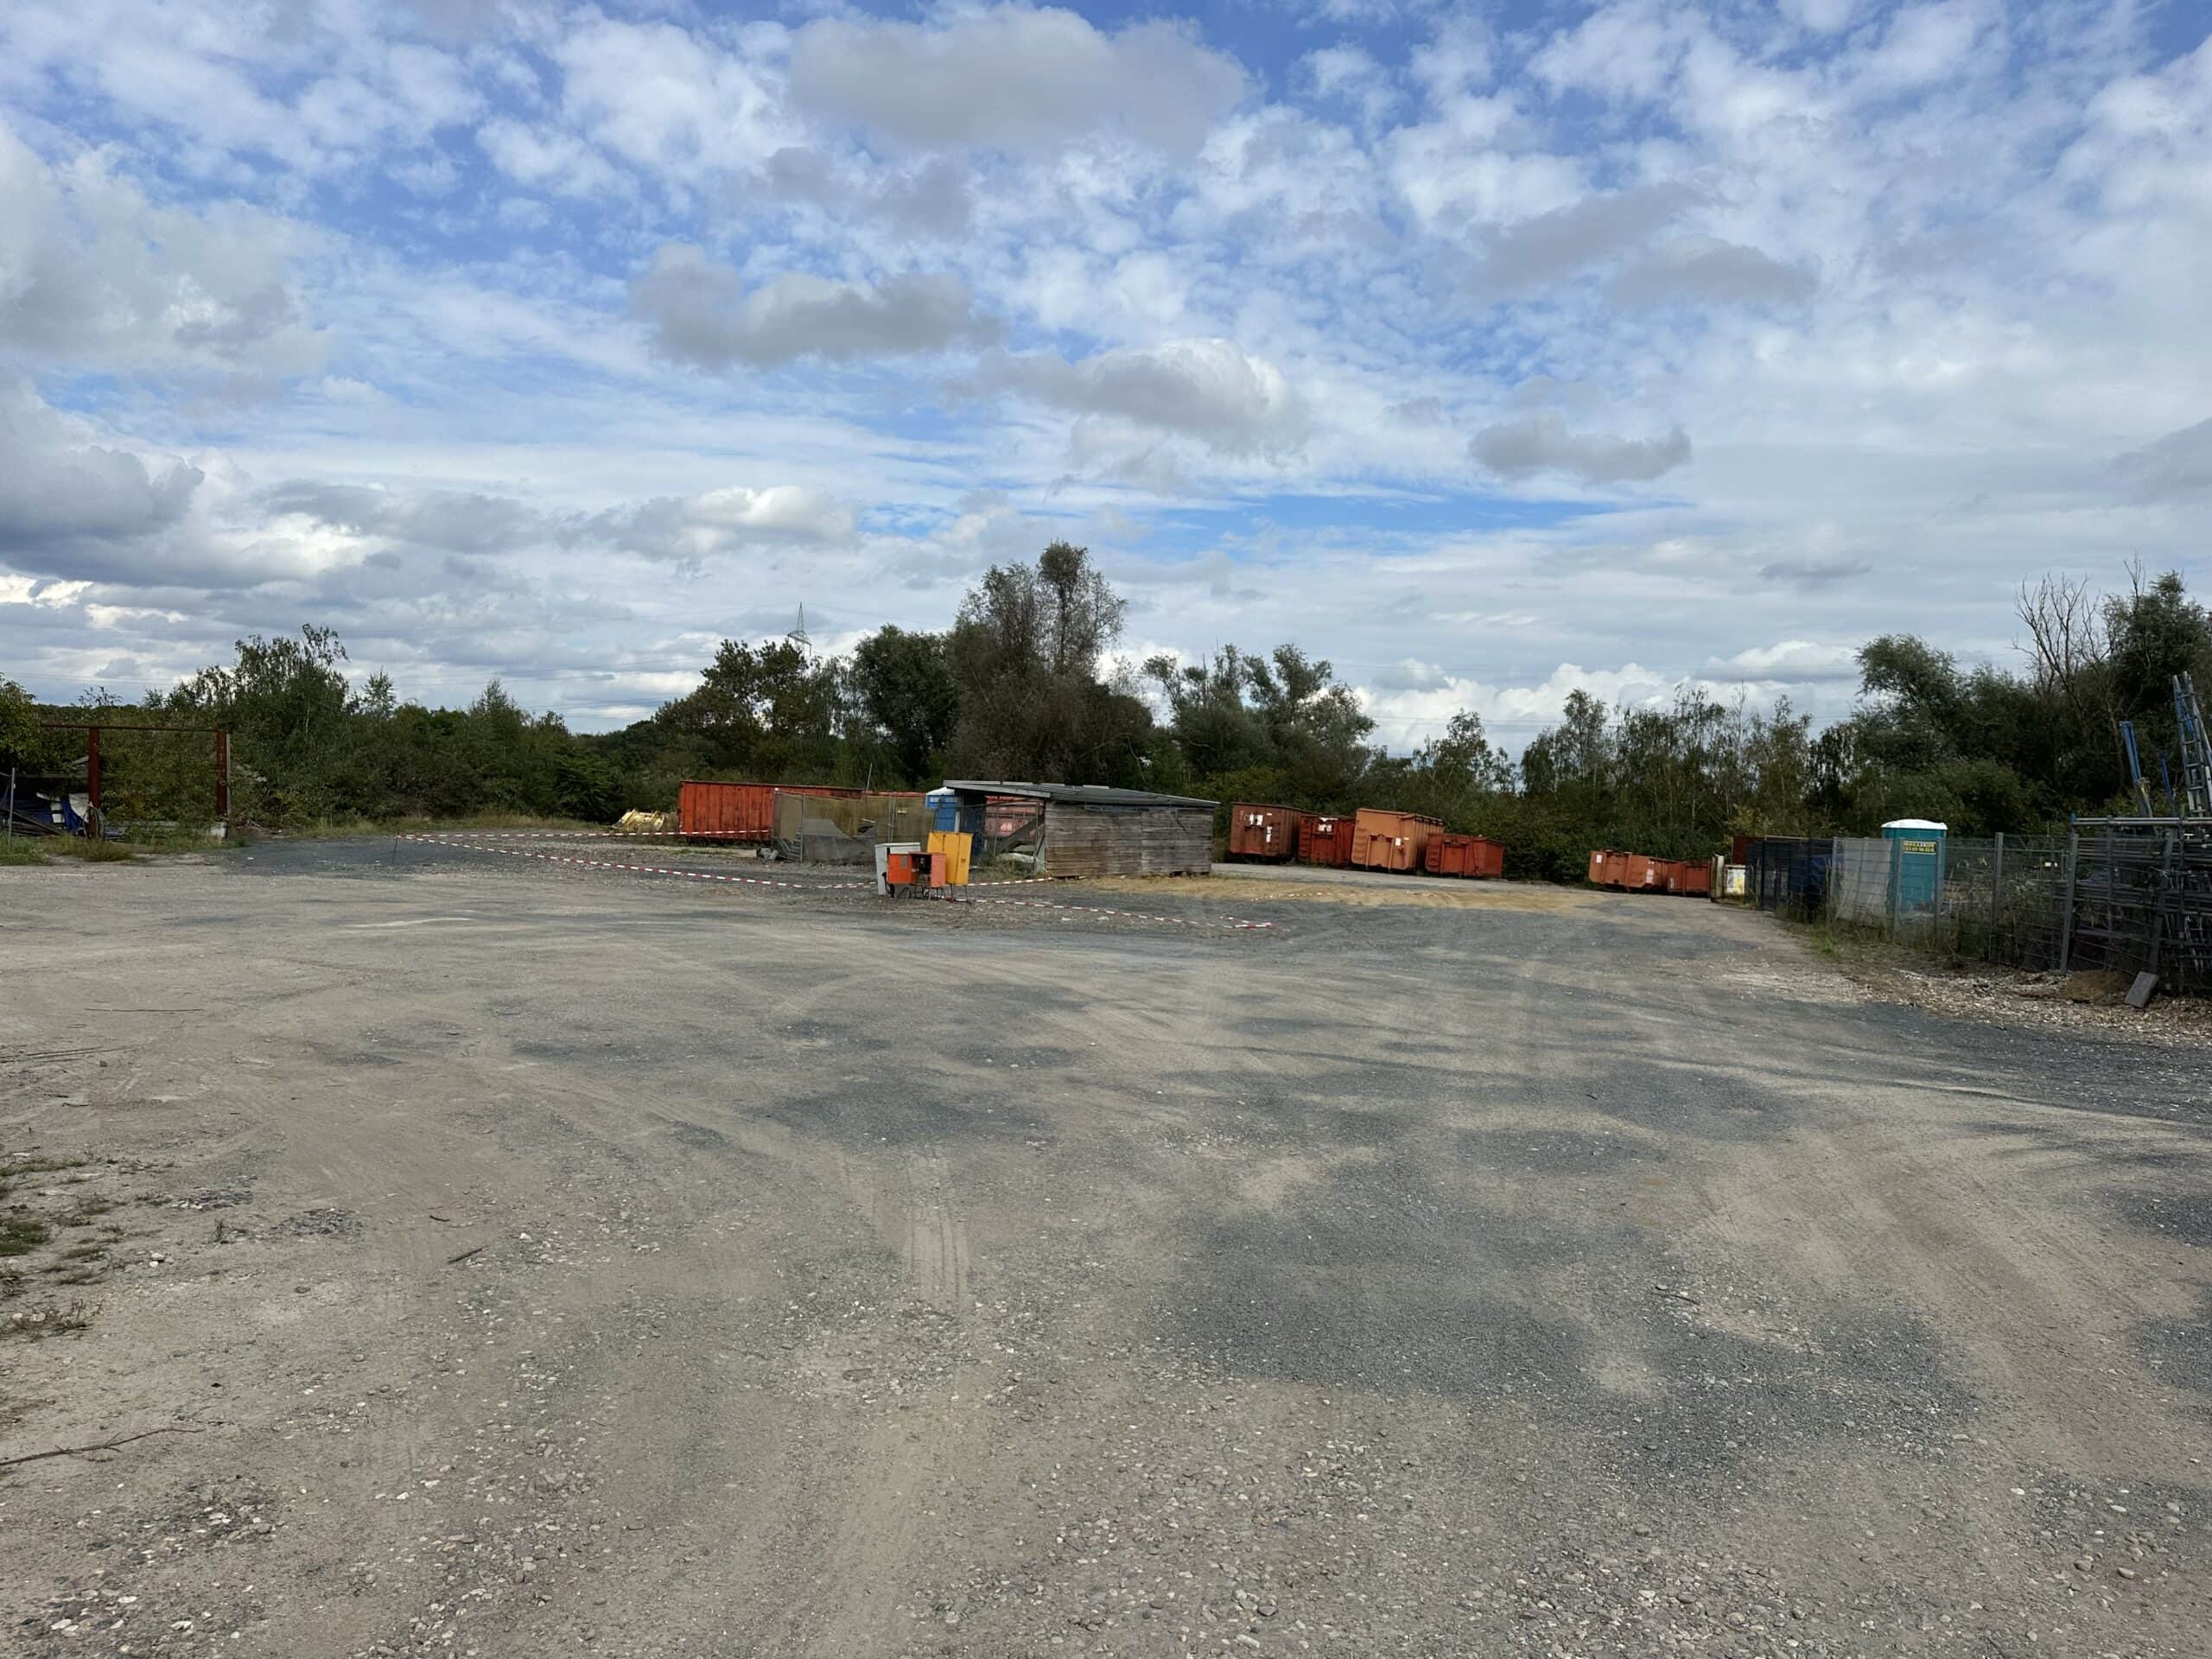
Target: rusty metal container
[
  {"x": 1695, "y": 878},
  {"x": 1325, "y": 838},
  {"x": 745, "y": 812},
  {"x": 1263, "y": 832},
  {"x": 1391, "y": 840},
  {"x": 1447, "y": 855},
  {"x": 1609, "y": 868},
  {"x": 1469, "y": 856}
]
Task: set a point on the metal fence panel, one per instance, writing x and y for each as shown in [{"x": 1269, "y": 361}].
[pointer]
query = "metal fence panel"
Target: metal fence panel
[
  {"x": 1861, "y": 880},
  {"x": 2125, "y": 899}
]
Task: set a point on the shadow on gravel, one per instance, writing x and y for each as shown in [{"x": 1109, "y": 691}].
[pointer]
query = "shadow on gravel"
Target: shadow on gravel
[{"x": 908, "y": 1113}]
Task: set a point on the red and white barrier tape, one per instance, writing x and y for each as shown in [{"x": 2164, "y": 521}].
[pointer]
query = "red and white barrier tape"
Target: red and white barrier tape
[
  {"x": 642, "y": 869},
  {"x": 1232, "y": 922},
  {"x": 593, "y": 834},
  {"x": 456, "y": 842}
]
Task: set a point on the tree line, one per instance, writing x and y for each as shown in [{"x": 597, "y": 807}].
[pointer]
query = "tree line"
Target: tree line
[{"x": 1025, "y": 684}]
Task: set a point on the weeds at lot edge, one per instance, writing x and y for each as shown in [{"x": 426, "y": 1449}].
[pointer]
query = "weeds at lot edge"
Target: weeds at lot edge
[
  {"x": 140, "y": 841},
  {"x": 355, "y": 829},
  {"x": 1854, "y": 948}
]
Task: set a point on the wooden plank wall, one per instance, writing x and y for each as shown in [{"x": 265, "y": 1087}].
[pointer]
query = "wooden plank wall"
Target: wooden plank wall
[{"x": 1087, "y": 840}]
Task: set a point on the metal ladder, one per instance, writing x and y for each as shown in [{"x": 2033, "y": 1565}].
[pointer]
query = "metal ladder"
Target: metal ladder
[{"x": 2196, "y": 750}]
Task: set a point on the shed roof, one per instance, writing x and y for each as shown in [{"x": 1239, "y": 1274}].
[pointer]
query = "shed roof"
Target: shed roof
[{"x": 1075, "y": 794}]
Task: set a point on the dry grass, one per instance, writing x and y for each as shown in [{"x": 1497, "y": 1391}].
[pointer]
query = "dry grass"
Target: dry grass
[
  {"x": 349, "y": 829},
  {"x": 47, "y": 1319}
]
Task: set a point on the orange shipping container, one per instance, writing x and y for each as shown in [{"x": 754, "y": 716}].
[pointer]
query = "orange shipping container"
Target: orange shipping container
[
  {"x": 1486, "y": 857},
  {"x": 1696, "y": 878},
  {"x": 1447, "y": 855},
  {"x": 720, "y": 811},
  {"x": 1464, "y": 855},
  {"x": 1324, "y": 839},
  {"x": 1257, "y": 831},
  {"x": 1391, "y": 840}
]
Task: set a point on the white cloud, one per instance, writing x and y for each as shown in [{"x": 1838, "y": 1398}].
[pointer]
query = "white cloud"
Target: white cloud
[
  {"x": 673, "y": 103},
  {"x": 1926, "y": 42},
  {"x": 1790, "y": 660},
  {"x": 547, "y": 158},
  {"x": 1548, "y": 246},
  {"x": 1409, "y": 715},
  {"x": 1479, "y": 161},
  {"x": 78, "y": 506},
  {"x": 1011, "y": 77},
  {"x": 1540, "y": 443},
  {"x": 1706, "y": 268},
  {"x": 700, "y": 313},
  {"x": 782, "y": 510},
  {"x": 91, "y": 272},
  {"x": 59, "y": 493},
  {"x": 715, "y": 524},
  {"x": 1210, "y": 390}
]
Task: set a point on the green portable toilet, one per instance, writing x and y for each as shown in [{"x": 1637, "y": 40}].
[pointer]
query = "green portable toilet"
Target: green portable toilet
[{"x": 1917, "y": 865}]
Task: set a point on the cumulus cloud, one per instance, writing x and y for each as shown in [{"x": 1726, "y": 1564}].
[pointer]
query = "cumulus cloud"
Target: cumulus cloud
[
  {"x": 1411, "y": 712},
  {"x": 58, "y": 498},
  {"x": 1704, "y": 268},
  {"x": 91, "y": 271},
  {"x": 700, "y": 313},
  {"x": 1790, "y": 660},
  {"x": 670, "y": 100},
  {"x": 2178, "y": 464},
  {"x": 467, "y": 522},
  {"x": 1012, "y": 78},
  {"x": 697, "y": 527},
  {"x": 81, "y": 507},
  {"x": 1210, "y": 390},
  {"x": 1540, "y": 443}
]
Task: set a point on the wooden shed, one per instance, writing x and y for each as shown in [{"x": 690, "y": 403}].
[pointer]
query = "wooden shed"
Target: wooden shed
[{"x": 1089, "y": 830}]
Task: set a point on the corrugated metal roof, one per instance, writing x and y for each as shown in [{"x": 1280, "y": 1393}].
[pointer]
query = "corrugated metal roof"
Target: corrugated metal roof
[{"x": 1075, "y": 794}]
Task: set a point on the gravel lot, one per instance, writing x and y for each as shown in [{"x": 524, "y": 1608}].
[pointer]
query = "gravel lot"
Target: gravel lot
[{"x": 524, "y": 1259}]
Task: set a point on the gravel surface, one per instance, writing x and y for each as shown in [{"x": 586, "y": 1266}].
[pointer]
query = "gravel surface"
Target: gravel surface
[{"x": 525, "y": 1259}]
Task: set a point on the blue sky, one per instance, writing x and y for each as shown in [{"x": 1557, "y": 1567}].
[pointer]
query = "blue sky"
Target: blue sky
[{"x": 1488, "y": 353}]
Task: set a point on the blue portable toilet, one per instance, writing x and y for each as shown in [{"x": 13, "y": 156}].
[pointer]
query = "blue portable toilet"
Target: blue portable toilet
[
  {"x": 945, "y": 810},
  {"x": 1917, "y": 865}
]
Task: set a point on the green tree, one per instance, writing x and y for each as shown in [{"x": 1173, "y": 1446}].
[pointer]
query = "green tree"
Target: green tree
[
  {"x": 21, "y": 740},
  {"x": 908, "y": 697},
  {"x": 770, "y": 711},
  {"x": 1025, "y": 655}
]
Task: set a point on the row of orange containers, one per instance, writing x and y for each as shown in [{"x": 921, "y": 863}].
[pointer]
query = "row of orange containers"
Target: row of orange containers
[
  {"x": 1369, "y": 839},
  {"x": 1635, "y": 873}
]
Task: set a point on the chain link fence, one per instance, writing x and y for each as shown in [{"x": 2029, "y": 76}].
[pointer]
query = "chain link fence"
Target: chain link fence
[{"x": 2126, "y": 900}]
